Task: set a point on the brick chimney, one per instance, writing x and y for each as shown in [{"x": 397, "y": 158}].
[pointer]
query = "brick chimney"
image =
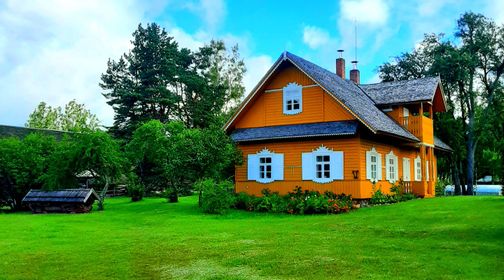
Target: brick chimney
[
  {"x": 355, "y": 73},
  {"x": 340, "y": 65}
]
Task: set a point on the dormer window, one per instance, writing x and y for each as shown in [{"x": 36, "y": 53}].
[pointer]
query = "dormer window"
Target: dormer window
[{"x": 292, "y": 99}]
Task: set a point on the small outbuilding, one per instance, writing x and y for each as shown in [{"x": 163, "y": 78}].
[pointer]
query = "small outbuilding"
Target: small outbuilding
[{"x": 61, "y": 201}]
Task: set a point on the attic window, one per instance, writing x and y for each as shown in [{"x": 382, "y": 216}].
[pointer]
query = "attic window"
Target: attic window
[{"x": 292, "y": 99}]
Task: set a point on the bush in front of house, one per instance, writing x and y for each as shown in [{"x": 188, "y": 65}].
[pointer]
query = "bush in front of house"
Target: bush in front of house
[
  {"x": 397, "y": 194},
  {"x": 296, "y": 202},
  {"x": 216, "y": 197}
]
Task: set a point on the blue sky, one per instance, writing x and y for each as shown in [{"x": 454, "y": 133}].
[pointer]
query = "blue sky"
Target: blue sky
[{"x": 55, "y": 50}]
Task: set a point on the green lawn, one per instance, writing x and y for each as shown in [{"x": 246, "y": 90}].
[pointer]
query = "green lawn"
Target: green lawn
[{"x": 446, "y": 238}]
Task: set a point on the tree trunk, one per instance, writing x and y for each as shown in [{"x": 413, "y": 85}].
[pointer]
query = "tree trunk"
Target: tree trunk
[
  {"x": 103, "y": 194},
  {"x": 456, "y": 179},
  {"x": 471, "y": 148}
]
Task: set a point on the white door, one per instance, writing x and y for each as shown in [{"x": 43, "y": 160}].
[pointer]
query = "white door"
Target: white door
[{"x": 406, "y": 169}]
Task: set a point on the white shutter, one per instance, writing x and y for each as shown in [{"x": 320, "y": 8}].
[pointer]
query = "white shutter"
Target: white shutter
[
  {"x": 368, "y": 165},
  {"x": 387, "y": 167},
  {"x": 406, "y": 169},
  {"x": 252, "y": 167},
  {"x": 379, "y": 170},
  {"x": 418, "y": 171},
  {"x": 396, "y": 168},
  {"x": 307, "y": 166},
  {"x": 337, "y": 165},
  {"x": 277, "y": 162}
]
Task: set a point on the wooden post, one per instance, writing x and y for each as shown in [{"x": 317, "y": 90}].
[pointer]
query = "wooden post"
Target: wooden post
[{"x": 422, "y": 170}]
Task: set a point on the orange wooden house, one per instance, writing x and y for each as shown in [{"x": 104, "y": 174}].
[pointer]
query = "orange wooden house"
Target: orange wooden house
[{"x": 303, "y": 125}]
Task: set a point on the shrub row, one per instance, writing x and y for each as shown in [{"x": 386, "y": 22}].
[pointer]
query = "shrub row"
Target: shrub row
[
  {"x": 398, "y": 194},
  {"x": 296, "y": 202}
]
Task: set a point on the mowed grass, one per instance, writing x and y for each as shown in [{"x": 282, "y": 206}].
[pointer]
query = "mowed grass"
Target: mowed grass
[{"x": 440, "y": 238}]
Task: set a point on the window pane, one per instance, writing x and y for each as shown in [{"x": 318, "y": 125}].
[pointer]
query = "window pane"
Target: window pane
[
  {"x": 319, "y": 174},
  {"x": 319, "y": 158},
  {"x": 261, "y": 168},
  {"x": 262, "y": 160},
  {"x": 319, "y": 167},
  {"x": 373, "y": 158},
  {"x": 326, "y": 167},
  {"x": 268, "y": 168},
  {"x": 268, "y": 160},
  {"x": 327, "y": 174},
  {"x": 326, "y": 158},
  {"x": 268, "y": 174}
]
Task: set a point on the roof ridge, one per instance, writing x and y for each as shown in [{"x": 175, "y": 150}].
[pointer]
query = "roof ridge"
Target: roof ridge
[{"x": 398, "y": 81}]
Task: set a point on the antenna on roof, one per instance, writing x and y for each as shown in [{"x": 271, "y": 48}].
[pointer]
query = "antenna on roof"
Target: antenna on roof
[{"x": 355, "y": 26}]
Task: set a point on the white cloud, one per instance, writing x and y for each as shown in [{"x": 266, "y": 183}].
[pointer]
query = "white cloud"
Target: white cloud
[
  {"x": 432, "y": 7},
  {"x": 212, "y": 12},
  {"x": 55, "y": 51},
  {"x": 372, "y": 12},
  {"x": 257, "y": 66},
  {"x": 315, "y": 37}
]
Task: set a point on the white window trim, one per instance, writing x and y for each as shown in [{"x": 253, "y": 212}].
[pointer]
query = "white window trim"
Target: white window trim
[
  {"x": 369, "y": 154},
  {"x": 336, "y": 165},
  {"x": 277, "y": 166},
  {"x": 292, "y": 91},
  {"x": 406, "y": 170},
  {"x": 418, "y": 171},
  {"x": 395, "y": 165}
]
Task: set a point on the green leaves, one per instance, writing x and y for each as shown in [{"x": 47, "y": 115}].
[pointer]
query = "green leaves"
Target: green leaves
[
  {"x": 158, "y": 80},
  {"x": 75, "y": 117}
]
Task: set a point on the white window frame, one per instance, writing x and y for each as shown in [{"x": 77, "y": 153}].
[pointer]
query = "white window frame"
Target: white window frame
[
  {"x": 335, "y": 164},
  {"x": 406, "y": 169},
  {"x": 254, "y": 164},
  {"x": 292, "y": 96},
  {"x": 265, "y": 167},
  {"x": 392, "y": 170},
  {"x": 373, "y": 165},
  {"x": 418, "y": 169}
]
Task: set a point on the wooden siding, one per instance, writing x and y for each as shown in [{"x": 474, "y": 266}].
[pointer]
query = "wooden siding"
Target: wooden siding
[
  {"x": 292, "y": 166},
  {"x": 354, "y": 151},
  {"x": 384, "y": 149},
  {"x": 267, "y": 108}
]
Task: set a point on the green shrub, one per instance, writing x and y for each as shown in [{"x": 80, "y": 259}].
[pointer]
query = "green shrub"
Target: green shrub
[
  {"x": 136, "y": 191},
  {"x": 244, "y": 201},
  {"x": 441, "y": 183},
  {"x": 379, "y": 197},
  {"x": 216, "y": 197},
  {"x": 295, "y": 202},
  {"x": 397, "y": 195}
]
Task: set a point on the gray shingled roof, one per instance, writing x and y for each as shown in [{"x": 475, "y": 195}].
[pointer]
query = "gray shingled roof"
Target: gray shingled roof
[
  {"x": 295, "y": 131},
  {"x": 353, "y": 97},
  {"x": 68, "y": 195},
  {"x": 441, "y": 145},
  {"x": 21, "y": 132},
  {"x": 400, "y": 92}
]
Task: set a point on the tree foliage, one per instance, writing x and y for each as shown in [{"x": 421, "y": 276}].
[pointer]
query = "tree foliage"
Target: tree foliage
[
  {"x": 23, "y": 163},
  {"x": 471, "y": 71},
  {"x": 158, "y": 80},
  {"x": 75, "y": 117},
  {"x": 172, "y": 157}
]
